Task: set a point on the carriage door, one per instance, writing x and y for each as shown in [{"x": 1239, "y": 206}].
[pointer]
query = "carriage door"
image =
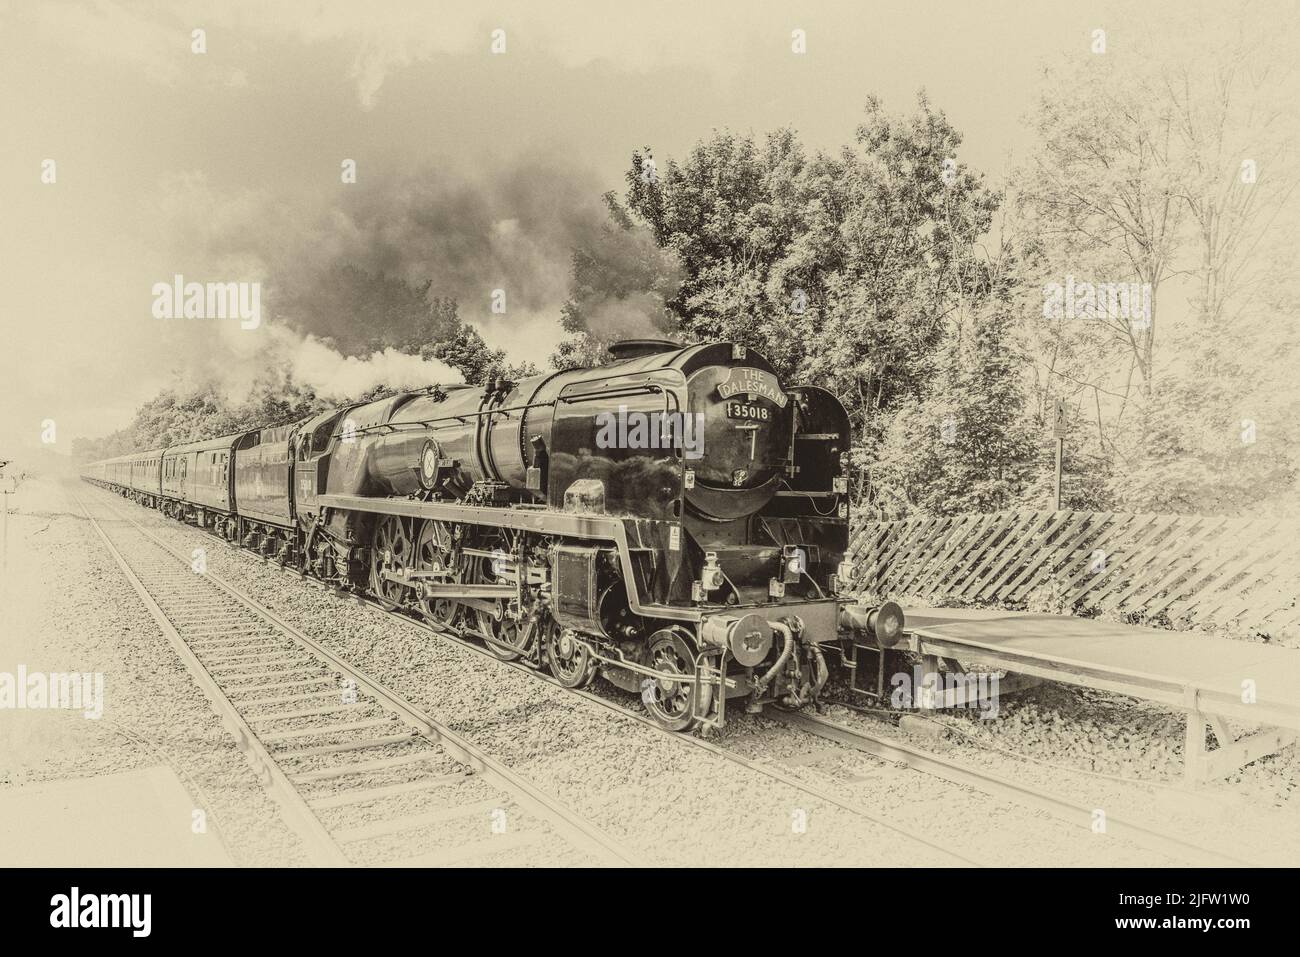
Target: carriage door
[
  {"x": 221, "y": 478},
  {"x": 181, "y": 466}
]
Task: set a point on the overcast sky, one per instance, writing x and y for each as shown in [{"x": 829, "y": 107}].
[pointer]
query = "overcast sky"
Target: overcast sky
[{"x": 170, "y": 161}]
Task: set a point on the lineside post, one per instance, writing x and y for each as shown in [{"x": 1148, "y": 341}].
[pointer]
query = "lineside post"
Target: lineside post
[
  {"x": 929, "y": 693},
  {"x": 1058, "y": 432},
  {"x": 1194, "y": 741}
]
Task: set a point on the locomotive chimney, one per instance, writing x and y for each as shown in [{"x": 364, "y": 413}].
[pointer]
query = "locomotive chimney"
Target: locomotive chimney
[{"x": 636, "y": 348}]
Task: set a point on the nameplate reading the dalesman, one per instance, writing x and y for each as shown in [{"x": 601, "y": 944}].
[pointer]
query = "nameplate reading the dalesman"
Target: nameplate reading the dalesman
[{"x": 752, "y": 382}]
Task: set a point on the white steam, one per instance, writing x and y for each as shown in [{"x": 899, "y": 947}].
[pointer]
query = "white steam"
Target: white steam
[
  {"x": 236, "y": 363},
  {"x": 313, "y": 363}
]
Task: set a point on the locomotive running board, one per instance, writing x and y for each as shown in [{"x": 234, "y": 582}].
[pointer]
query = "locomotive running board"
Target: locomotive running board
[
  {"x": 525, "y": 520},
  {"x": 548, "y": 522}
]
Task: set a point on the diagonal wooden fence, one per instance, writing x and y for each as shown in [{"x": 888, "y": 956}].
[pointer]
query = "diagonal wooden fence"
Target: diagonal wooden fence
[{"x": 1170, "y": 570}]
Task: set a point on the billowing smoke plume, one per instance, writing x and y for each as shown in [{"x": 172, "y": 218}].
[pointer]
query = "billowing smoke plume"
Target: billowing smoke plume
[
  {"x": 355, "y": 264},
  {"x": 638, "y": 315},
  {"x": 240, "y": 364},
  {"x": 333, "y": 376},
  {"x": 360, "y": 279},
  {"x": 623, "y": 283}
]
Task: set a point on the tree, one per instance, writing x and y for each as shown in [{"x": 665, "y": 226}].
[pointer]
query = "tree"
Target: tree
[
  {"x": 842, "y": 269},
  {"x": 965, "y": 443},
  {"x": 1100, "y": 197},
  {"x": 898, "y": 221},
  {"x": 1164, "y": 168},
  {"x": 449, "y": 340},
  {"x": 173, "y": 417}
]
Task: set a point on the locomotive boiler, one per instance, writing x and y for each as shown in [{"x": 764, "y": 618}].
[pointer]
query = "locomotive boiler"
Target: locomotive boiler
[{"x": 675, "y": 520}]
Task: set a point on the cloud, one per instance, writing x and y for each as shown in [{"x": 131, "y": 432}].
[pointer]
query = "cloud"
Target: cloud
[
  {"x": 151, "y": 41},
  {"x": 385, "y": 38}
]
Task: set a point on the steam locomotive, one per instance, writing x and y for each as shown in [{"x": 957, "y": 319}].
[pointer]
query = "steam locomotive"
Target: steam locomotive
[{"x": 675, "y": 520}]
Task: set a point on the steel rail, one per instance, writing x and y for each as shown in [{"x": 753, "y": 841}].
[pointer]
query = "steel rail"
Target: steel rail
[
  {"x": 456, "y": 635},
  {"x": 883, "y": 748},
  {"x": 320, "y": 847},
  {"x": 957, "y": 772}
]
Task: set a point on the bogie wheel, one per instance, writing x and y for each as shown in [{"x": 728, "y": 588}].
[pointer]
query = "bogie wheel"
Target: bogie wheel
[
  {"x": 669, "y": 700},
  {"x": 391, "y": 550},
  {"x": 433, "y": 550},
  {"x": 567, "y": 659}
]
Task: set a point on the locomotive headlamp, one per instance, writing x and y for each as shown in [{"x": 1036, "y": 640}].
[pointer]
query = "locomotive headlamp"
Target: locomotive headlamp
[
  {"x": 794, "y": 561},
  {"x": 711, "y": 576},
  {"x": 844, "y": 573}
]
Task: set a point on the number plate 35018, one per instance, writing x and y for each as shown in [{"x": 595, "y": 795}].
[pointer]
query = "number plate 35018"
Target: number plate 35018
[{"x": 749, "y": 411}]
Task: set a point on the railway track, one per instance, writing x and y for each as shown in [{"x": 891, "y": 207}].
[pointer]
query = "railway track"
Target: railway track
[
  {"x": 360, "y": 774},
  {"x": 884, "y": 748},
  {"x": 1066, "y": 809}
]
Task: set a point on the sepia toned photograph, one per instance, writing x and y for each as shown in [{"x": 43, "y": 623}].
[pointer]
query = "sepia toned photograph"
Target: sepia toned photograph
[{"x": 574, "y": 435}]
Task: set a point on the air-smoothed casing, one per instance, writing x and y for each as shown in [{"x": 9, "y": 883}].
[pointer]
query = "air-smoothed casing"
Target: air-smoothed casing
[{"x": 574, "y": 425}]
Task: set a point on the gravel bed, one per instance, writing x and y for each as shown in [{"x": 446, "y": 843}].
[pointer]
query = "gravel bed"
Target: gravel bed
[
  {"x": 68, "y": 608},
  {"x": 1089, "y": 730},
  {"x": 1121, "y": 755},
  {"x": 472, "y": 790},
  {"x": 462, "y": 832},
  {"x": 982, "y": 827}
]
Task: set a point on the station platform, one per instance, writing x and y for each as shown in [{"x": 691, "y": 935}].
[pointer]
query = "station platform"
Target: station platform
[{"x": 1211, "y": 679}]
